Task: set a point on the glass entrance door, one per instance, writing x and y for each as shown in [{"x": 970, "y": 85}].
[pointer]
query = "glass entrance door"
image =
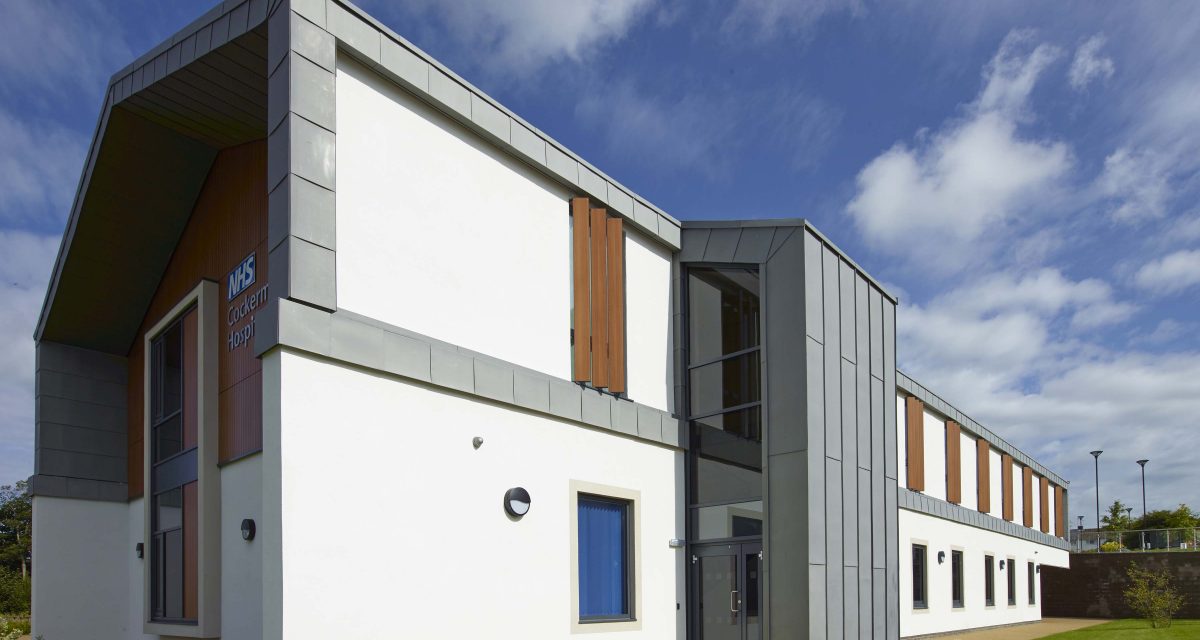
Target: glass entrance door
[{"x": 727, "y": 591}]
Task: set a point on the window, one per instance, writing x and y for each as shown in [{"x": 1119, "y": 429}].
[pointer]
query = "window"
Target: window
[
  {"x": 1012, "y": 582},
  {"x": 605, "y": 559},
  {"x": 1032, "y": 586},
  {"x": 597, "y": 297},
  {"x": 173, "y": 488},
  {"x": 989, "y": 580},
  {"x": 920, "y": 579},
  {"x": 956, "y": 579}
]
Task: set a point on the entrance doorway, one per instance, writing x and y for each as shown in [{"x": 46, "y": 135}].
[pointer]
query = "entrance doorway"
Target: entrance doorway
[{"x": 727, "y": 591}]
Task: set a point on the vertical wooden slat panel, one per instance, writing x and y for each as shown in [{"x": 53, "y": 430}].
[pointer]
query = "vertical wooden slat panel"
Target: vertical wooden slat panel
[
  {"x": 953, "y": 462},
  {"x": 1027, "y": 495},
  {"x": 581, "y": 296},
  {"x": 983, "y": 473},
  {"x": 1060, "y": 522},
  {"x": 1006, "y": 484},
  {"x": 599, "y": 281},
  {"x": 616, "y": 305},
  {"x": 915, "y": 413},
  {"x": 1044, "y": 489}
]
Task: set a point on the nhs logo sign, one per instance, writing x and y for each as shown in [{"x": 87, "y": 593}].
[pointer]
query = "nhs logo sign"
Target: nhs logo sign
[{"x": 241, "y": 277}]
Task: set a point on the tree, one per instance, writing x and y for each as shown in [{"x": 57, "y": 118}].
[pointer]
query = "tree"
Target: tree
[
  {"x": 1151, "y": 595},
  {"x": 16, "y": 526},
  {"x": 1181, "y": 518},
  {"x": 1117, "y": 519}
]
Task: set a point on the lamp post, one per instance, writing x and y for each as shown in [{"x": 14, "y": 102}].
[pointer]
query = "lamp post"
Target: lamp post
[
  {"x": 1128, "y": 521},
  {"x": 1096, "y": 455},
  {"x": 1142, "y": 464}
]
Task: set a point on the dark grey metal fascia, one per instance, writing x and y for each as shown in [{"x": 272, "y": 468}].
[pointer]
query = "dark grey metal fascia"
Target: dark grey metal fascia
[
  {"x": 935, "y": 402},
  {"x": 344, "y": 336},
  {"x": 921, "y": 503}
]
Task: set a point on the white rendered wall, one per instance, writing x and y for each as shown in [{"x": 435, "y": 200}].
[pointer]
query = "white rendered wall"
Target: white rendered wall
[
  {"x": 440, "y": 233},
  {"x": 968, "y": 471},
  {"x": 650, "y": 374},
  {"x": 1018, "y": 494},
  {"x": 423, "y": 530},
  {"x": 1050, "y": 502},
  {"x": 996, "y": 470},
  {"x": 901, "y": 441},
  {"x": 943, "y": 535},
  {"x": 81, "y": 565},
  {"x": 241, "y": 561},
  {"x": 935, "y": 456},
  {"x": 1037, "y": 502}
]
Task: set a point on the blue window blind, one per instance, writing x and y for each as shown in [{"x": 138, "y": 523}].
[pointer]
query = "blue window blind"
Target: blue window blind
[{"x": 603, "y": 558}]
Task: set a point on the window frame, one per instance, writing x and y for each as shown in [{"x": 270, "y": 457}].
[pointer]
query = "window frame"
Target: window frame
[
  {"x": 203, "y": 300},
  {"x": 921, "y": 603},
  {"x": 989, "y": 580},
  {"x": 578, "y": 490},
  {"x": 956, "y": 580},
  {"x": 1011, "y": 581},
  {"x": 1031, "y": 584}
]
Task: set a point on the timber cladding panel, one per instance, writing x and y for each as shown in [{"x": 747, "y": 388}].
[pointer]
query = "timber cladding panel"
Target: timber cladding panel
[
  {"x": 983, "y": 480},
  {"x": 953, "y": 462},
  {"x": 1060, "y": 511},
  {"x": 1006, "y": 485},
  {"x": 598, "y": 297},
  {"x": 1027, "y": 495},
  {"x": 915, "y": 422},
  {"x": 227, "y": 225}
]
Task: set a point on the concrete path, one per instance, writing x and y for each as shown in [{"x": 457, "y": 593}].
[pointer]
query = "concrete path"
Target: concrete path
[{"x": 1048, "y": 626}]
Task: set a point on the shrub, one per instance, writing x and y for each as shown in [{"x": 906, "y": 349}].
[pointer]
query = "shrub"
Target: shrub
[
  {"x": 1112, "y": 546},
  {"x": 15, "y": 592},
  {"x": 10, "y": 631},
  {"x": 1151, "y": 595}
]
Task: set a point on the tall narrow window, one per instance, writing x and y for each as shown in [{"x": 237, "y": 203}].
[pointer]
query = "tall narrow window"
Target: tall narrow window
[
  {"x": 173, "y": 489},
  {"x": 920, "y": 578},
  {"x": 605, "y": 559},
  {"x": 1011, "y": 567},
  {"x": 956, "y": 579},
  {"x": 598, "y": 297},
  {"x": 1032, "y": 584},
  {"x": 724, "y": 398},
  {"x": 989, "y": 580}
]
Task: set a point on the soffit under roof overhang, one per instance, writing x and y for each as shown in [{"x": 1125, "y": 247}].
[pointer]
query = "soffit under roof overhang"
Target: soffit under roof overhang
[{"x": 164, "y": 119}]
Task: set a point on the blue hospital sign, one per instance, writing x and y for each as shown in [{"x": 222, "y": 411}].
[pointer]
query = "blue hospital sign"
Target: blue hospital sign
[{"x": 241, "y": 277}]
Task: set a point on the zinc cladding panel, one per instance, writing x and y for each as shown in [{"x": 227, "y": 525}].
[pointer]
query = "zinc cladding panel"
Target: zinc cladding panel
[{"x": 833, "y": 355}]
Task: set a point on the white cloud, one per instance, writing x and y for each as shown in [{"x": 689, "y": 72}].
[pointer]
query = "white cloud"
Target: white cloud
[
  {"x": 1171, "y": 274},
  {"x": 59, "y": 47},
  {"x": 521, "y": 36},
  {"x": 25, "y": 262},
  {"x": 764, "y": 19},
  {"x": 1089, "y": 64},
  {"x": 1137, "y": 183},
  {"x": 933, "y": 202},
  {"x": 39, "y": 168}
]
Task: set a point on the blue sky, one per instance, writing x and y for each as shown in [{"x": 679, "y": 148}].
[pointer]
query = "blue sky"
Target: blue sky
[{"x": 1023, "y": 175}]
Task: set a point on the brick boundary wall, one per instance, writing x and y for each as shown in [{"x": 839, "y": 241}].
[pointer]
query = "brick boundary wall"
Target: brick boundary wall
[{"x": 1094, "y": 586}]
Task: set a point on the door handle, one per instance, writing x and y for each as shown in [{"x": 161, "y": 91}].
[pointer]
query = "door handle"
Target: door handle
[{"x": 735, "y": 603}]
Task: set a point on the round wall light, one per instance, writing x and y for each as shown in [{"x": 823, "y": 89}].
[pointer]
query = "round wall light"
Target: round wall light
[
  {"x": 941, "y": 557},
  {"x": 248, "y": 529},
  {"x": 516, "y": 502},
  {"x": 140, "y": 549}
]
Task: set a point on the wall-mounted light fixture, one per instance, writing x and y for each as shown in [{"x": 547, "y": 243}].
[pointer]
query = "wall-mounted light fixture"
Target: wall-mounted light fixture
[
  {"x": 675, "y": 543},
  {"x": 139, "y": 549},
  {"x": 516, "y": 502},
  {"x": 248, "y": 529},
  {"x": 1037, "y": 569},
  {"x": 1002, "y": 565},
  {"x": 476, "y": 442},
  {"x": 941, "y": 557}
]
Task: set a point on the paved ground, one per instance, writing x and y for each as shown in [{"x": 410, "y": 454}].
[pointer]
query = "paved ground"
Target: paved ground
[{"x": 1048, "y": 626}]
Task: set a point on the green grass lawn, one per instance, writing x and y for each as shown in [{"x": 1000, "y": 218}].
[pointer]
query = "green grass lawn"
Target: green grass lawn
[{"x": 1132, "y": 630}]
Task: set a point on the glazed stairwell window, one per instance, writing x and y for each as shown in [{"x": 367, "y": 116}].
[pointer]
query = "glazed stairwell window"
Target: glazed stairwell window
[
  {"x": 173, "y": 512},
  {"x": 181, "y": 570},
  {"x": 597, "y": 297}
]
